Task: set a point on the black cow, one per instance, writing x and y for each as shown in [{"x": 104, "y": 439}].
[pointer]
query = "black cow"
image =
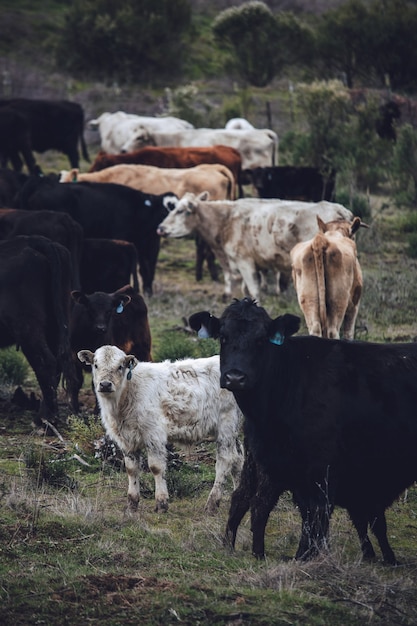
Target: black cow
[
  {"x": 107, "y": 265},
  {"x": 15, "y": 141},
  {"x": 54, "y": 125},
  {"x": 289, "y": 182},
  {"x": 119, "y": 318},
  {"x": 109, "y": 211},
  {"x": 35, "y": 282},
  {"x": 332, "y": 421},
  {"x": 58, "y": 227},
  {"x": 10, "y": 184}
]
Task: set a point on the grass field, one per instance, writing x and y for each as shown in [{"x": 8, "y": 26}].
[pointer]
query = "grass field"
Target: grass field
[{"x": 72, "y": 554}]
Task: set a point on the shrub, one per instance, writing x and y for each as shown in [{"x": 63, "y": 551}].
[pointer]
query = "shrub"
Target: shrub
[
  {"x": 174, "y": 346},
  {"x": 13, "y": 367},
  {"x": 357, "y": 203},
  {"x": 412, "y": 246}
]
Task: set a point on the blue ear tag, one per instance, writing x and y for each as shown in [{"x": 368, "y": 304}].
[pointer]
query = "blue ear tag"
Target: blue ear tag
[
  {"x": 277, "y": 339},
  {"x": 119, "y": 308},
  {"x": 129, "y": 374},
  {"x": 203, "y": 333},
  {"x": 147, "y": 203}
]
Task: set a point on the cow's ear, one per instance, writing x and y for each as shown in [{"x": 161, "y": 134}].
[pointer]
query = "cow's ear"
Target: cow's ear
[
  {"x": 205, "y": 324},
  {"x": 356, "y": 225},
  {"x": 86, "y": 356},
  {"x": 282, "y": 327},
  {"x": 79, "y": 297},
  {"x": 321, "y": 224},
  {"x": 204, "y": 195},
  {"x": 121, "y": 301},
  {"x": 130, "y": 363}
]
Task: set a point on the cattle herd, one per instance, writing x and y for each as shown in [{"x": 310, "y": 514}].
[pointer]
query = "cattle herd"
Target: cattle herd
[{"x": 330, "y": 419}]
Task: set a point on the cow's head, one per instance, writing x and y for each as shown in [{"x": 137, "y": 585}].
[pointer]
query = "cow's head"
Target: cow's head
[
  {"x": 181, "y": 220},
  {"x": 101, "y": 307},
  {"x": 247, "y": 335},
  {"x": 111, "y": 368},
  {"x": 139, "y": 138},
  {"x": 343, "y": 228}
]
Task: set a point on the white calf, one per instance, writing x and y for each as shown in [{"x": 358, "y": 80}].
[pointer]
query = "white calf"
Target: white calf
[{"x": 147, "y": 405}]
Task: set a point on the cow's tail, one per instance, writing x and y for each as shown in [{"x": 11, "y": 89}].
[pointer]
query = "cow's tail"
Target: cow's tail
[
  {"x": 319, "y": 245},
  {"x": 231, "y": 183},
  {"x": 84, "y": 147}
]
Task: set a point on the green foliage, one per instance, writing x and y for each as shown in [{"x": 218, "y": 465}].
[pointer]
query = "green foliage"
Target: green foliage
[
  {"x": 125, "y": 41},
  {"x": 404, "y": 167},
  {"x": 13, "y": 367},
  {"x": 412, "y": 246},
  {"x": 174, "y": 346},
  {"x": 392, "y": 41},
  {"x": 188, "y": 103},
  {"x": 84, "y": 431},
  {"x": 45, "y": 467},
  {"x": 357, "y": 203},
  {"x": 260, "y": 43},
  {"x": 338, "y": 136},
  {"x": 342, "y": 40}
]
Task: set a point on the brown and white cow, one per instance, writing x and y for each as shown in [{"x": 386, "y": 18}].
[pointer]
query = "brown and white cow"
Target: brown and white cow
[
  {"x": 249, "y": 234},
  {"x": 217, "y": 179},
  {"x": 328, "y": 279}
]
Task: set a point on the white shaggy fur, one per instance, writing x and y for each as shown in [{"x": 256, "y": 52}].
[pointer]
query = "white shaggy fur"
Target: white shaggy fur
[{"x": 147, "y": 405}]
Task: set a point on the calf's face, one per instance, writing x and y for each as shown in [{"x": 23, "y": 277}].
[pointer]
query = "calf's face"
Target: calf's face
[{"x": 111, "y": 368}]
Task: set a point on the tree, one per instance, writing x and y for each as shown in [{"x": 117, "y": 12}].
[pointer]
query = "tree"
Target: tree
[
  {"x": 259, "y": 43},
  {"x": 393, "y": 39},
  {"x": 124, "y": 41},
  {"x": 343, "y": 43}
]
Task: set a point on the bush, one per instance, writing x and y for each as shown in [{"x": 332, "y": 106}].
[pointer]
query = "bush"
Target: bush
[
  {"x": 412, "y": 246},
  {"x": 174, "y": 346},
  {"x": 357, "y": 203},
  {"x": 13, "y": 367}
]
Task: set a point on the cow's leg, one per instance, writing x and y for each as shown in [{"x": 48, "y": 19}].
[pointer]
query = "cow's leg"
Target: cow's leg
[
  {"x": 379, "y": 528},
  {"x": 263, "y": 502},
  {"x": 250, "y": 277},
  {"x": 132, "y": 465},
  {"x": 199, "y": 257},
  {"x": 157, "y": 464},
  {"x": 44, "y": 364},
  {"x": 228, "y": 462},
  {"x": 349, "y": 321},
  {"x": 315, "y": 514},
  {"x": 241, "y": 498},
  {"x": 360, "y": 523}
]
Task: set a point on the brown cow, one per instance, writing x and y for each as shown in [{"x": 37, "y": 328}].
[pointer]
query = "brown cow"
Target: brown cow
[
  {"x": 328, "y": 279},
  {"x": 217, "y": 179},
  {"x": 171, "y": 157}
]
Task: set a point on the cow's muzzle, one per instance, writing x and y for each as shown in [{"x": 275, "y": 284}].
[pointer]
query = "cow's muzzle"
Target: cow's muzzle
[
  {"x": 233, "y": 380},
  {"x": 105, "y": 386},
  {"x": 161, "y": 231}
]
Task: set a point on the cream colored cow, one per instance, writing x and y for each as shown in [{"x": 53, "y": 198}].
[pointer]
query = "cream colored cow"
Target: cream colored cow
[
  {"x": 215, "y": 178},
  {"x": 328, "y": 279}
]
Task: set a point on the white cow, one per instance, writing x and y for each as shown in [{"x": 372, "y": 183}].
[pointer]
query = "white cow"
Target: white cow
[
  {"x": 258, "y": 147},
  {"x": 249, "y": 234},
  {"x": 147, "y": 405},
  {"x": 117, "y": 129},
  {"x": 238, "y": 123}
]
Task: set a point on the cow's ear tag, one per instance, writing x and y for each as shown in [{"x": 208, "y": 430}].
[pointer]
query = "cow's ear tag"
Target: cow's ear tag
[
  {"x": 277, "y": 339},
  {"x": 119, "y": 308},
  {"x": 129, "y": 374},
  {"x": 203, "y": 333}
]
